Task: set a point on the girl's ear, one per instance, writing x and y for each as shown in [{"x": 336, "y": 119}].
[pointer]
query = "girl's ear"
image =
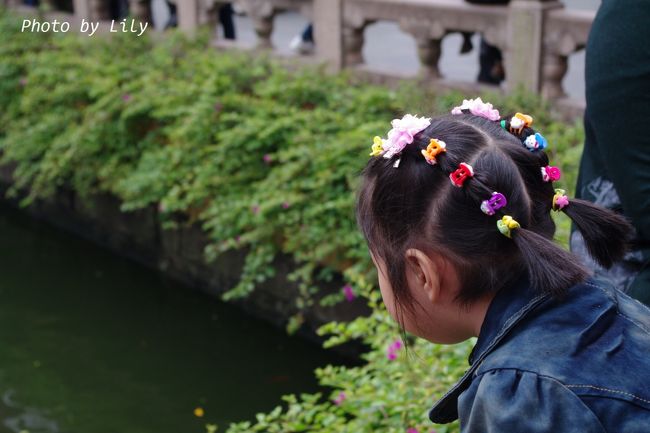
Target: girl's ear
[{"x": 423, "y": 274}]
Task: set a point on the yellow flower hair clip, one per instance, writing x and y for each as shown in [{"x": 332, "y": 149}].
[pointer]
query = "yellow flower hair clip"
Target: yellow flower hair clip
[
  {"x": 377, "y": 146},
  {"x": 435, "y": 148},
  {"x": 506, "y": 225}
]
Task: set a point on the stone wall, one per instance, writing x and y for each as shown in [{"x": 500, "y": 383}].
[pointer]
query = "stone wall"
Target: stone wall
[{"x": 178, "y": 254}]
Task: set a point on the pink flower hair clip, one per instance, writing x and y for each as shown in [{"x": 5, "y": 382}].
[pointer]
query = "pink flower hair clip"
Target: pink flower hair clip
[
  {"x": 478, "y": 108},
  {"x": 551, "y": 174},
  {"x": 402, "y": 133}
]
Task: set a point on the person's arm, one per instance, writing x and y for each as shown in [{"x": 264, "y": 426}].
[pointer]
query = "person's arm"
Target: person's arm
[{"x": 510, "y": 400}]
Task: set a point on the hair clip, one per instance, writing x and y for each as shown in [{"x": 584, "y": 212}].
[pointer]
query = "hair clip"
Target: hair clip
[
  {"x": 402, "y": 133},
  {"x": 506, "y": 225},
  {"x": 460, "y": 175},
  {"x": 478, "y": 108},
  {"x": 435, "y": 148},
  {"x": 377, "y": 146},
  {"x": 494, "y": 203},
  {"x": 551, "y": 174},
  {"x": 535, "y": 142},
  {"x": 520, "y": 121},
  {"x": 560, "y": 200}
]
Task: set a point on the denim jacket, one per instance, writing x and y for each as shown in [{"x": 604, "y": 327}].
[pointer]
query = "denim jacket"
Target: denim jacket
[{"x": 576, "y": 365}]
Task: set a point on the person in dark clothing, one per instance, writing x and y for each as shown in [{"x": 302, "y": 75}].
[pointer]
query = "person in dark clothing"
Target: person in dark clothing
[
  {"x": 615, "y": 165},
  {"x": 490, "y": 58}
]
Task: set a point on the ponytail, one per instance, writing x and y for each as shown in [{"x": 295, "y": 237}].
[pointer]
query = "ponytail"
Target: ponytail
[
  {"x": 606, "y": 233},
  {"x": 551, "y": 269}
]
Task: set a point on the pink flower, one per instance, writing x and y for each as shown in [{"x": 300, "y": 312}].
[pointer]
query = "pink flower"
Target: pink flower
[
  {"x": 349, "y": 293},
  {"x": 340, "y": 398},
  {"x": 218, "y": 106},
  {"x": 412, "y": 430},
  {"x": 391, "y": 352},
  {"x": 255, "y": 209},
  {"x": 23, "y": 81},
  {"x": 267, "y": 158},
  {"x": 285, "y": 205},
  {"x": 478, "y": 108},
  {"x": 403, "y": 131},
  {"x": 126, "y": 97}
]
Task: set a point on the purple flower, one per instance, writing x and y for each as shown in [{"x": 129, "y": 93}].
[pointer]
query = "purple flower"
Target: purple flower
[
  {"x": 349, "y": 293},
  {"x": 255, "y": 209},
  {"x": 23, "y": 81},
  {"x": 267, "y": 158},
  {"x": 237, "y": 238},
  {"x": 285, "y": 205},
  {"x": 478, "y": 108},
  {"x": 340, "y": 398},
  {"x": 126, "y": 97},
  {"x": 412, "y": 430}
]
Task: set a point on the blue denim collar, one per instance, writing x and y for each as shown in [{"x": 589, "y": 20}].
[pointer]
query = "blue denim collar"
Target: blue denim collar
[{"x": 510, "y": 305}]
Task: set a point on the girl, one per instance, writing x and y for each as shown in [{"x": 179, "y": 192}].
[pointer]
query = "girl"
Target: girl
[{"x": 456, "y": 213}]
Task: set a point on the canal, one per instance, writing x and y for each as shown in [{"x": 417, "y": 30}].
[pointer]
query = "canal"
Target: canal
[{"x": 93, "y": 343}]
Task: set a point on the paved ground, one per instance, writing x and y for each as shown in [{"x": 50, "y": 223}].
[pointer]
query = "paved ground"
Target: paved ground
[{"x": 388, "y": 48}]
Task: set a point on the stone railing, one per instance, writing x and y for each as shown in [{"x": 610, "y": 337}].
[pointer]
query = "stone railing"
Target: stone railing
[{"x": 535, "y": 36}]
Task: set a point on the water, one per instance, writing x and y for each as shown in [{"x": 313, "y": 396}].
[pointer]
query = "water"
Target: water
[{"x": 92, "y": 343}]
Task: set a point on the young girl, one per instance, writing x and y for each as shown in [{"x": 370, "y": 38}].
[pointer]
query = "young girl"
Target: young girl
[{"x": 456, "y": 213}]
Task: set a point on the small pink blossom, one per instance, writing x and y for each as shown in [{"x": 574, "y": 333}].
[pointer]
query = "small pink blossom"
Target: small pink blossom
[
  {"x": 349, "y": 293},
  {"x": 340, "y": 398},
  {"x": 391, "y": 351},
  {"x": 23, "y": 81},
  {"x": 218, "y": 106},
  {"x": 126, "y": 97},
  {"x": 412, "y": 430},
  {"x": 285, "y": 205},
  {"x": 478, "y": 108},
  {"x": 267, "y": 158},
  {"x": 237, "y": 238},
  {"x": 255, "y": 209},
  {"x": 403, "y": 131}
]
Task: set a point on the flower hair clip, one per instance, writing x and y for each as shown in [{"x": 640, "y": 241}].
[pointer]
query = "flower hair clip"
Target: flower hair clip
[
  {"x": 402, "y": 133},
  {"x": 435, "y": 148},
  {"x": 506, "y": 225},
  {"x": 551, "y": 174},
  {"x": 478, "y": 108},
  {"x": 461, "y": 174},
  {"x": 560, "y": 200},
  {"x": 494, "y": 203}
]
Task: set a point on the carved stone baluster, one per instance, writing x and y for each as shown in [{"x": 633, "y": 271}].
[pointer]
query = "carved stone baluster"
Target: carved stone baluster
[
  {"x": 554, "y": 67},
  {"x": 428, "y": 37},
  {"x": 429, "y": 53},
  {"x": 261, "y": 13},
  {"x": 140, "y": 9},
  {"x": 352, "y": 43}
]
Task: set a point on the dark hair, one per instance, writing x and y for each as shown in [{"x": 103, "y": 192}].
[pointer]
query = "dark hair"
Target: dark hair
[{"x": 416, "y": 206}]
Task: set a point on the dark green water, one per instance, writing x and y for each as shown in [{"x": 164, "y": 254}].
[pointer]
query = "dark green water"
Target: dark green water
[{"x": 92, "y": 343}]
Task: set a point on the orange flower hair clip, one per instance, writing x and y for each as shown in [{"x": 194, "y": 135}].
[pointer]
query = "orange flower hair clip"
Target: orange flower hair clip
[{"x": 435, "y": 148}]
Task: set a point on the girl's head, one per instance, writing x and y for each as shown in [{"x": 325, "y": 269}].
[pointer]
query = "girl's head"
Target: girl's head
[{"x": 433, "y": 244}]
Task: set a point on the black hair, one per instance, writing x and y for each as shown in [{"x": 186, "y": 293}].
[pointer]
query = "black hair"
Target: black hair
[{"x": 416, "y": 206}]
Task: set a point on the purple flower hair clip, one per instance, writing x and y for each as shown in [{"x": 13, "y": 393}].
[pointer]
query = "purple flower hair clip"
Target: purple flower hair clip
[
  {"x": 478, "y": 108},
  {"x": 402, "y": 133}
]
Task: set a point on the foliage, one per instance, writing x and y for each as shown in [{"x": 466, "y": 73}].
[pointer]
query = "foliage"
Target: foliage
[{"x": 263, "y": 158}]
